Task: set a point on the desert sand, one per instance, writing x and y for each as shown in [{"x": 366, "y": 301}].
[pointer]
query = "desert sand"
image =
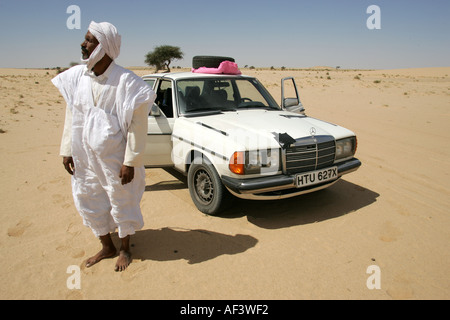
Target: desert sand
[{"x": 393, "y": 213}]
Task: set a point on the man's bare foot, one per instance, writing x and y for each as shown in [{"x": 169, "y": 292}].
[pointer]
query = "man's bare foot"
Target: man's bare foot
[
  {"x": 123, "y": 261},
  {"x": 102, "y": 254},
  {"x": 108, "y": 251}
]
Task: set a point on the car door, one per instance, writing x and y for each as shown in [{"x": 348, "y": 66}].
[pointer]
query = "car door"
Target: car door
[{"x": 158, "y": 147}]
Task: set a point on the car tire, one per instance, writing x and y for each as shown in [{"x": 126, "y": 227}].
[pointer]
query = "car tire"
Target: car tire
[
  {"x": 209, "y": 61},
  {"x": 207, "y": 191}
]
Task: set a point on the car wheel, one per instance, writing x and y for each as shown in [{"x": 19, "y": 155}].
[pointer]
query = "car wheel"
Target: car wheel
[
  {"x": 209, "y": 61},
  {"x": 206, "y": 188}
]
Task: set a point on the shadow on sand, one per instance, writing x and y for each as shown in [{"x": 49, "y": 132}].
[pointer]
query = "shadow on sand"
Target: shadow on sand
[
  {"x": 340, "y": 199},
  {"x": 195, "y": 246}
]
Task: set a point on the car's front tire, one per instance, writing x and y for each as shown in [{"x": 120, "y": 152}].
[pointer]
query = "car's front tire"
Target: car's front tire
[{"x": 206, "y": 188}]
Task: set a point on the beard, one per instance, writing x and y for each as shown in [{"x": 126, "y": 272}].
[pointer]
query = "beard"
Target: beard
[
  {"x": 84, "y": 53},
  {"x": 91, "y": 60}
]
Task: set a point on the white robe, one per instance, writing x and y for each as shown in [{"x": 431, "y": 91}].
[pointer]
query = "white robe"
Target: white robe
[{"x": 99, "y": 138}]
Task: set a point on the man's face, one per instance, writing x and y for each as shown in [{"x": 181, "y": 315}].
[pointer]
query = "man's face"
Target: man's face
[{"x": 88, "y": 45}]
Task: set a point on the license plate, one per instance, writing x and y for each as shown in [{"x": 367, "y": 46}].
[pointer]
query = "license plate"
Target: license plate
[{"x": 315, "y": 177}]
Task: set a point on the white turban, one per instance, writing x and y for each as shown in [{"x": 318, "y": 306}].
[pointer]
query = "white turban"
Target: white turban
[
  {"x": 107, "y": 36},
  {"x": 109, "y": 42}
]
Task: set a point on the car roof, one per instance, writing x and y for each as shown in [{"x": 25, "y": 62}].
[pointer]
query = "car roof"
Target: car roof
[{"x": 192, "y": 75}]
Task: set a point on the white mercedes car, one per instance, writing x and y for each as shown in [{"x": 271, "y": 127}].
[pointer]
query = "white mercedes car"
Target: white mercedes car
[{"x": 229, "y": 136}]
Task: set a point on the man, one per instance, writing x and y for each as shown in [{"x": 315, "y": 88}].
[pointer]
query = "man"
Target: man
[{"x": 104, "y": 139}]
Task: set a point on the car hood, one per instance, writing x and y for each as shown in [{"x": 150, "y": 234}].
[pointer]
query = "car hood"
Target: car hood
[{"x": 260, "y": 128}]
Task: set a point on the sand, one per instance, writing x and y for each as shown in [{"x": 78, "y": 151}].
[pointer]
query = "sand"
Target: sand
[{"x": 393, "y": 213}]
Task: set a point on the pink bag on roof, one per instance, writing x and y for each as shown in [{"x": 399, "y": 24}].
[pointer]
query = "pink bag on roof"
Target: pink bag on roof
[{"x": 225, "y": 67}]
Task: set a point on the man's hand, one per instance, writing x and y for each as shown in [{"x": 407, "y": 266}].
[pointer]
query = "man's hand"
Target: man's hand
[
  {"x": 126, "y": 174},
  {"x": 69, "y": 165}
]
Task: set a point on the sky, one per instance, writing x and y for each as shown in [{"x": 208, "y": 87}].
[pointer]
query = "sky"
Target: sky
[{"x": 262, "y": 33}]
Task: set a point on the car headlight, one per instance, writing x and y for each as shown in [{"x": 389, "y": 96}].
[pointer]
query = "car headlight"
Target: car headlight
[
  {"x": 255, "y": 162},
  {"x": 345, "y": 148}
]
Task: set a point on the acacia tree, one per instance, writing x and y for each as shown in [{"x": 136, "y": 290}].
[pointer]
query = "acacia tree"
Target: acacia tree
[{"x": 162, "y": 56}]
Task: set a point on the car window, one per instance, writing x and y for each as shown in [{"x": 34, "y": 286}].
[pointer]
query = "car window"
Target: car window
[
  {"x": 221, "y": 94},
  {"x": 150, "y": 82},
  {"x": 164, "y": 97}
]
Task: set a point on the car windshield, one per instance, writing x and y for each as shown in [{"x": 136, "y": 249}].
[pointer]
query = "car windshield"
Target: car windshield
[{"x": 222, "y": 94}]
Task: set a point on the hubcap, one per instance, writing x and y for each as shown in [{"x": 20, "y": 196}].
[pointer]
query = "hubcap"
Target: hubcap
[{"x": 203, "y": 186}]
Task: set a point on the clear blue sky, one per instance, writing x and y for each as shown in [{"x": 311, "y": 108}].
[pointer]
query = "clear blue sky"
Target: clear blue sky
[{"x": 260, "y": 33}]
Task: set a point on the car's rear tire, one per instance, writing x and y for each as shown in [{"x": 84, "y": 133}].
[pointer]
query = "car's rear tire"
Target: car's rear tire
[
  {"x": 209, "y": 61},
  {"x": 206, "y": 188}
]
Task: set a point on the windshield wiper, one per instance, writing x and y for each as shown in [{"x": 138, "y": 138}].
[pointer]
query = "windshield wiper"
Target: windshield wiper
[
  {"x": 199, "y": 112},
  {"x": 202, "y": 109},
  {"x": 256, "y": 105}
]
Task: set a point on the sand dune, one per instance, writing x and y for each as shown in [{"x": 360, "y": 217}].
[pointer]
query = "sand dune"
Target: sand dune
[{"x": 392, "y": 213}]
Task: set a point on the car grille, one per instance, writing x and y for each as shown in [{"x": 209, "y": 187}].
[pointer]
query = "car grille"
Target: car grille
[{"x": 310, "y": 154}]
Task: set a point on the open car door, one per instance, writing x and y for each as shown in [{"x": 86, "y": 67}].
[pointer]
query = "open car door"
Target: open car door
[{"x": 158, "y": 147}]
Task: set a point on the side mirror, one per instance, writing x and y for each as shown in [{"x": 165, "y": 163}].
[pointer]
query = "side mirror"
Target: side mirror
[
  {"x": 155, "y": 111},
  {"x": 291, "y": 104}
]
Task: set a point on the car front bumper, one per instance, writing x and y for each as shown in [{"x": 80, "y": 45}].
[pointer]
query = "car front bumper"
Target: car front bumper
[{"x": 281, "y": 186}]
